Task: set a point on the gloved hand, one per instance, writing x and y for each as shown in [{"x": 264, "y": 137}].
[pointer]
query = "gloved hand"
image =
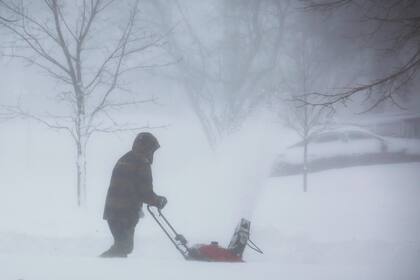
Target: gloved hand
[{"x": 161, "y": 202}]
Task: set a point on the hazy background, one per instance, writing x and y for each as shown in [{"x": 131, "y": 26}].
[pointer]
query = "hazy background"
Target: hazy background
[{"x": 231, "y": 86}]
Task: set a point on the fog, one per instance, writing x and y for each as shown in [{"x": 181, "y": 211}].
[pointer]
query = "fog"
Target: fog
[{"x": 300, "y": 116}]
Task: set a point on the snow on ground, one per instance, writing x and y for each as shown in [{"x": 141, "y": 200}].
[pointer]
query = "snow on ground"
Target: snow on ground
[
  {"x": 355, "y": 223},
  {"x": 88, "y": 268},
  {"x": 361, "y": 216}
]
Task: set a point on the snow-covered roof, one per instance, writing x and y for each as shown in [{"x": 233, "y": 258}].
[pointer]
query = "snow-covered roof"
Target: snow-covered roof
[{"x": 383, "y": 118}]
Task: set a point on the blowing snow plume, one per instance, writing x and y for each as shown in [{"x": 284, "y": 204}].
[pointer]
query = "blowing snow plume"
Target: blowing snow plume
[{"x": 224, "y": 186}]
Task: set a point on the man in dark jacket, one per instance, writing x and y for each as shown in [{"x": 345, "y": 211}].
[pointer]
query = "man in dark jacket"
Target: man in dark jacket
[{"x": 131, "y": 186}]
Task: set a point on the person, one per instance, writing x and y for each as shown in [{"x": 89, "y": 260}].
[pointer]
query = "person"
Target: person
[{"x": 131, "y": 186}]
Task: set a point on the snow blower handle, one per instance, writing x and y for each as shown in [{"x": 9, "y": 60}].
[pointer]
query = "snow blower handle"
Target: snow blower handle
[
  {"x": 178, "y": 240},
  {"x": 178, "y": 237},
  {"x": 168, "y": 223}
]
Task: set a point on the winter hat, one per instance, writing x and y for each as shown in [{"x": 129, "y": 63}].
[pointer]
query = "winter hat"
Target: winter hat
[{"x": 145, "y": 141}]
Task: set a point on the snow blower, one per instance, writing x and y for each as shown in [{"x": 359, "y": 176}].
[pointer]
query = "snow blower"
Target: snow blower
[{"x": 208, "y": 252}]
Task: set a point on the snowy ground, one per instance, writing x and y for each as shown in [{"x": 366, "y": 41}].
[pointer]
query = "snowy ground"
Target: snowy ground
[{"x": 355, "y": 223}]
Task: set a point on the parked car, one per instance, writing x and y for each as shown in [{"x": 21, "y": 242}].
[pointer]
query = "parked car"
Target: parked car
[{"x": 346, "y": 147}]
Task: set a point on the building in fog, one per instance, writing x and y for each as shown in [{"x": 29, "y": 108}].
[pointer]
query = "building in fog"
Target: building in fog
[{"x": 406, "y": 125}]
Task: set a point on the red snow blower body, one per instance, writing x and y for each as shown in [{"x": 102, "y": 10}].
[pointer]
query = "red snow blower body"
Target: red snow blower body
[
  {"x": 212, "y": 253},
  {"x": 208, "y": 252}
]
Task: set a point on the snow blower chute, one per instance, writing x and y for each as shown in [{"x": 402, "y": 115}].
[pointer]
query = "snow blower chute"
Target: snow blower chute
[{"x": 208, "y": 252}]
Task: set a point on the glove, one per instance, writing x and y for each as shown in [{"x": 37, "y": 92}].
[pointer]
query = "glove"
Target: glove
[{"x": 161, "y": 202}]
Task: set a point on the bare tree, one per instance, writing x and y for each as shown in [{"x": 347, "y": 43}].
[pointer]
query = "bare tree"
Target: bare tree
[
  {"x": 307, "y": 121},
  {"x": 6, "y": 113},
  {"x": 72, "y": 43},
  {"x": 304, "y": 69},
  {"x": 224, "y": 73},
  {"x": 393, "y": 27}
]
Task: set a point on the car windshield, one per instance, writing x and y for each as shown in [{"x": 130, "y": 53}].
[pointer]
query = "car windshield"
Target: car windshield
[
  {"x": 338, "y": 136},
  {"x": 327, "y": 137},
  {"x": 356, "y": 135}
]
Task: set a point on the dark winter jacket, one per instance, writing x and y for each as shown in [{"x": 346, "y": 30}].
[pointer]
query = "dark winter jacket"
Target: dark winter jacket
[{"x": 131, "y": 186}]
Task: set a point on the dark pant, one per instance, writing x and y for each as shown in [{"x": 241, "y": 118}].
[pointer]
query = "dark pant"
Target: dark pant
[{"x": 123, "y": 233}]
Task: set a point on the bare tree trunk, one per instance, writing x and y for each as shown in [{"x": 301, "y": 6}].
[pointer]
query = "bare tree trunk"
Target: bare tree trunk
[
  {"x": 81, "y": 142},
  {"x": 306, "y": 127},
  {"x": 305, "y": 166},
  {"x": 81, "y": 174},
  {"x": 305, "y": 147}
]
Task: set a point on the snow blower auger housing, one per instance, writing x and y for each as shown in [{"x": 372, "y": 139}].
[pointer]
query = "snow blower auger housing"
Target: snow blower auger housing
[{"x": 208, "y": 252}]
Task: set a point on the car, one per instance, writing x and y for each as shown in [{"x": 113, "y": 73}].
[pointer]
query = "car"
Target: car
[{"x": 346, "y": 146}]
